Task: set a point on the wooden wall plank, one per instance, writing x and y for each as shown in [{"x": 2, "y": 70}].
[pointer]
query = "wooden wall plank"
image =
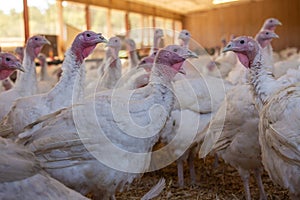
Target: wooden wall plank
[{"x": 209, "y": 27}]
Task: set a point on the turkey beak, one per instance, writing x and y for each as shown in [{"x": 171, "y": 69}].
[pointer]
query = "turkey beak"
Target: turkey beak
[
  {"x": 182, "y": 71},
  {"x": 191, "y": 54},
  {"x": 47, "y": 41},
  {"x": 108, "y": 44},
  {"x": 146, "y": 63},
  {"x": 217, "y": 64},
  {"x": 20, "y": 67},
  {"x": 273, "y": 35},
  {"x": 278, "y": 23},
  {"x": 102, "y": 39},
  {"x": 229, "y": 47}
]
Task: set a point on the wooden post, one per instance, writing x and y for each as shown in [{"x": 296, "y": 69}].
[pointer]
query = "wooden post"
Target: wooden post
[
  {"x": 174, "y": 31},
  {"x": 87, "y": 17},
  {"x": 153, "y": 22},
  {"x": 149, "y": 29},
  {"x": 26, "y": 20},
  {"x": 60, "y": 43},
  {"x": 143, "y": 31},
  {"x": 127, "y": 24},
  {"x": 108, "y": 22}
]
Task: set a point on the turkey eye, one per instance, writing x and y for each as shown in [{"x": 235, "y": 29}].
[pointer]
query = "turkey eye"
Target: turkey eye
[
  {"x": 88, "y": 35},
  {"x": 7, "y": 59},
  {"x": 186, "y": 33},
  {"x": 267, "y": 33},
  {"x": 35, "y": 38},
  {"x": 271, "y": 21},
  {"x": 116, "y": 40},
  {"x": 175, "y": 50},
  {"x": 242, "y": 41}
]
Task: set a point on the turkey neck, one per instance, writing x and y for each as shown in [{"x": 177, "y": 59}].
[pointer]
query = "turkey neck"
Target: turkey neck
[
  {"x": 26, "y": 82},
  {"x": 161, "y": 74},
  {"x": 71, "y": 84},
  {"x": 133, "y": 58},
  {"x": 44, "y": 71},
  {"x": 268, "y": 54},
  {"x": 185, "y": 44},
  {"x": 112, "y": 72},
  {"x": 263, "y": 82}
]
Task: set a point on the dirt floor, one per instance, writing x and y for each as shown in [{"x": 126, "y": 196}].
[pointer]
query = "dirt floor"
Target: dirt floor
[{"x": 222, "y": 182}]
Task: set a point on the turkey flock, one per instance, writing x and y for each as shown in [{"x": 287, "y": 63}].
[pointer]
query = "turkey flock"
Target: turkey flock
[{"x": 94, "y": 130}]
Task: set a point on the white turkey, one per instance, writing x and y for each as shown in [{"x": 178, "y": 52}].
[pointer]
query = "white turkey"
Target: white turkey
[
  {"x": 288, "y": 53},
  {"x": 292, "y": 76},
  {"x": 193, "y": 67},
  {"x": 19, "y": 51},
  {"x": 100, "y": 147},
  {"x": 110, "y": 70},
  {"x": 279, "y": 124},
  {"x": 184, "y": 38},
  {"x": 7, "y": 84},
  {"x": 133, "y": 58},
  {"x": 199, "y": 96},
  {"x": 236, "y": 74},
  {"x": 139, "y": 76},
  {"x": 280, "y": 68},
  {"x": 68, "y": 90},
  {"x": 225, "y": 63},
  {"x": 270, "y": 24},
  {"x": 26, "y": 83},
  {"x": 22, "y": 177},
  {"x": 197, "y": 101},
  {"x": 233, "y": 132},
  {"x": 45, "y": 82},
  {"x": 157, "y": 37}
]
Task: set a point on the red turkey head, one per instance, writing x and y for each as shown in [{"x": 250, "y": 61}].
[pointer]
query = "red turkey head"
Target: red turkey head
[
  {"x": 174, "y": 56},
  {"x": 8, "y": 64},
  {"x": 265, "y": 37},
  {"x": 84, "y": 44},
  {"x": 271, "y": 24},
  {"x": 35, "y": 44},
  {"x": 245, "y": 47}
]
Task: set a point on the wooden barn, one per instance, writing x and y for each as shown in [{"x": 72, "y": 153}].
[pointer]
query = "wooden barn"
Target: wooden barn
[{"x": 139, "y": 99}]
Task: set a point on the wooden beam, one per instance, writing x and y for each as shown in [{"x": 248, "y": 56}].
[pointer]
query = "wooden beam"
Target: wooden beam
[
  {"x": 26, "y": 19},
  {"x": 131, "y": 6}
]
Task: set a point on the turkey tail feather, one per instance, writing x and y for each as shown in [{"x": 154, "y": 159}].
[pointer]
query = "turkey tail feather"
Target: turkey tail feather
[{"x": 155, "y": 190}]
